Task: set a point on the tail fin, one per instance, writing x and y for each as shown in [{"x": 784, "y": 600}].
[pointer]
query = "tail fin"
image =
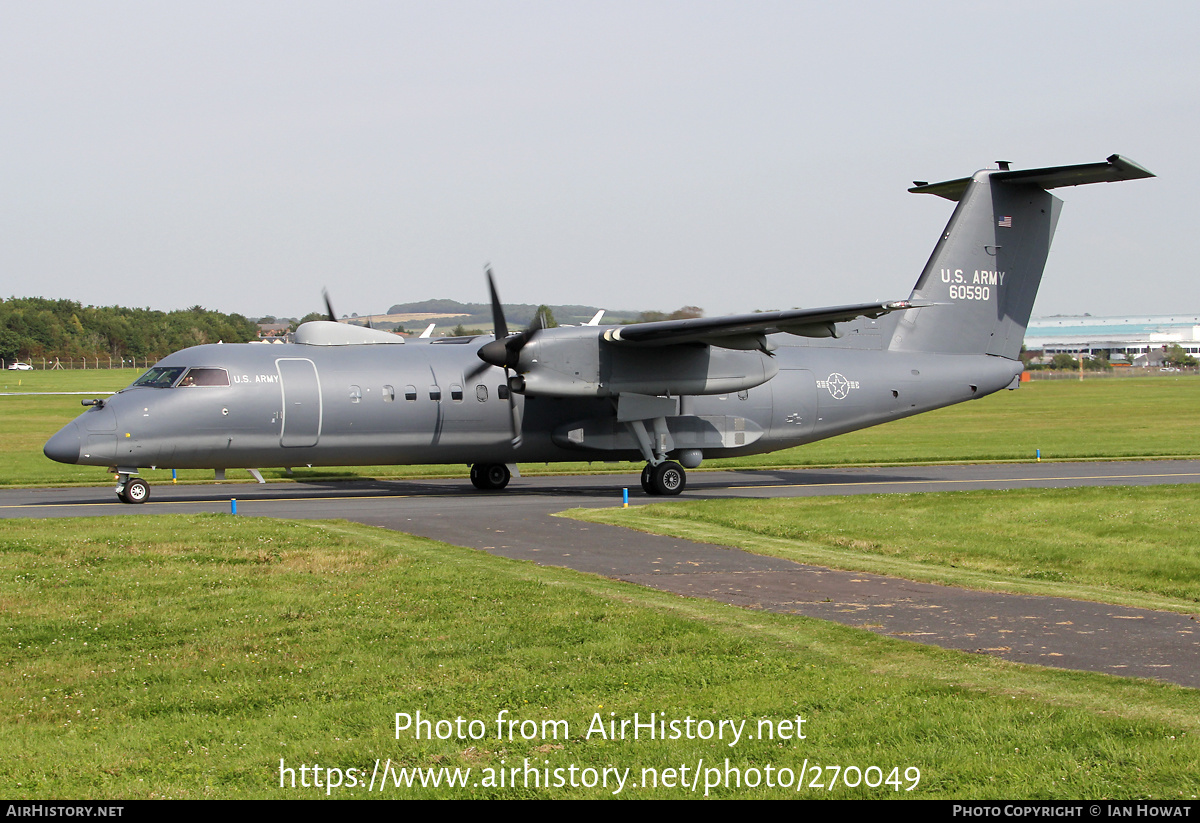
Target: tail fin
[{"x": 985, "y": 270}]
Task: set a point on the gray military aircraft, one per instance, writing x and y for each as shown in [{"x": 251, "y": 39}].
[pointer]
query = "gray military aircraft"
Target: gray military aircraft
[{"x": 669, "y": 393}]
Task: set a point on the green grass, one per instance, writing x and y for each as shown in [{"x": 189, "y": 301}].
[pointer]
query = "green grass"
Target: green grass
[
  {"x": 68, "y": 380},
  {"x": 185, "y": 656},
  {"x": 1138, "y": 546},
  {"x": 1067, "y": 420}
]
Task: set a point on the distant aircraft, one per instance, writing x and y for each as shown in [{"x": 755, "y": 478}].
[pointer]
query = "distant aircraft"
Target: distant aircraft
[{"x": 669, "y": 393}]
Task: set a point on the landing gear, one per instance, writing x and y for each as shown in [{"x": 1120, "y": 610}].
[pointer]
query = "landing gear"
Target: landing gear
[
  {"x": 667, "y": 478},
  {"x": 661, "y": 476},
  {"x": 490, "y": 476},
  {"x": 133, "y": 490}
]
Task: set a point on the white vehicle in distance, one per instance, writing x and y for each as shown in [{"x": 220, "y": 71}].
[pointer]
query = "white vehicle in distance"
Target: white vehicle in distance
[{"x": 20, "y": 367}]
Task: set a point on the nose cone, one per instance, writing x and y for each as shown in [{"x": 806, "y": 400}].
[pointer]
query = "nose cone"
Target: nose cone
[{"x": 64, "y": 446}]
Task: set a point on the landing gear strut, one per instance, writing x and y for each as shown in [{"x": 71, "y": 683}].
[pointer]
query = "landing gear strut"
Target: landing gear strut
[
  {"x": 490, "y": 476},
  {"x": 132, "y": 490},
  {"x": 667, "y": 478}
]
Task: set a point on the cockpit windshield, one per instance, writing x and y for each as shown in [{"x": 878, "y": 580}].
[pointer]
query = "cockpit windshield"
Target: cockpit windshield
[
  {"x": 159, "y": 377},
  {"x": 164, "y": 377}
]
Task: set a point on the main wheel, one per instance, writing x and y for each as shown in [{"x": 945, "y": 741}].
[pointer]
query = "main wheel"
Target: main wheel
[
  {"x": 668, "y": 478},
  {"x": 648, "y": 480},
  {"x": 135, "y": 491},
  {"x": 490, "y": 476}
]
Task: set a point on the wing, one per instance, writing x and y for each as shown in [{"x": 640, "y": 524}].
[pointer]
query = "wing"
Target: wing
[{"x": 747, "y": 331}]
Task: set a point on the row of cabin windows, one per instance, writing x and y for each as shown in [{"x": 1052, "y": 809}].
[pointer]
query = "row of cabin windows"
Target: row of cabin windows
[{"x": 435, "y": 393}]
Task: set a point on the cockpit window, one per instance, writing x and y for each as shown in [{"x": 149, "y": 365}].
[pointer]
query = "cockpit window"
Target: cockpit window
[
  {"x": 164, "y": 377},
  {"x": 160, "y": 377},
  {"x": 205, "y": 377}
]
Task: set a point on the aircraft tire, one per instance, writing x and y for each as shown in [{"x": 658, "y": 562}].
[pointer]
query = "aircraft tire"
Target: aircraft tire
[
  {"x": 648, "y": 480},
  {"x": 135, "y": 491},
  {"x": 668, "y": 478},
  {"x": 490, "y": 476}
]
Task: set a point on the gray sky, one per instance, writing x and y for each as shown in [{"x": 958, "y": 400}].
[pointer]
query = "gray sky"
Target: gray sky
[{"x": 735, "y": 155}]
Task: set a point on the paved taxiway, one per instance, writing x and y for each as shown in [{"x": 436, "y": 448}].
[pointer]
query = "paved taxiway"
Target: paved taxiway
[{"x": 519, "y": 523}]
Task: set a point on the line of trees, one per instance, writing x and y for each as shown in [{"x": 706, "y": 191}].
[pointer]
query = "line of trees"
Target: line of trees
[{"x": 34, "y": 327}]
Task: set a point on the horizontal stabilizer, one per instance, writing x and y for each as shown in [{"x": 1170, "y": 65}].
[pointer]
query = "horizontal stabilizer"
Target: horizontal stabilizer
[{"x": 1112, "y": 170}]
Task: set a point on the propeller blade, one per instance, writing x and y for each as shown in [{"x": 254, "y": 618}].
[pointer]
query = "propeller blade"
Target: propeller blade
[
  {"x": 475, "y": 372},
  {"x": 515, "y": 410},
  {"x": 536, "y": 325},
  {"x": 328, "y": 305},
  {"x": 499, "y": 324}
]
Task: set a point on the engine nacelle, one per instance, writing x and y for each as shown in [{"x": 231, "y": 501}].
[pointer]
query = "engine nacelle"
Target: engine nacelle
[{"x": 577, "y": 362}]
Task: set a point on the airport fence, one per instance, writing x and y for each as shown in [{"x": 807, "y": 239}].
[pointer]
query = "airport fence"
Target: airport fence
[
  {"x": 50, "y": 363},
  {"x": 1074, "y": 374}
]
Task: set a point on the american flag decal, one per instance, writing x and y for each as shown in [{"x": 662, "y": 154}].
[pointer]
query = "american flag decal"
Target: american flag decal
[{"x": 1005, "y": 222}]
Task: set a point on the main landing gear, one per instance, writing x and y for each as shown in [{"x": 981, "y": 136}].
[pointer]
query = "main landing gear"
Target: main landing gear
[
  {"x": 661, "y": 476},
  {"x": 667, "y": 478},
  {"x": 132, "y": 489},
  {"x": 490, "y": 476}
]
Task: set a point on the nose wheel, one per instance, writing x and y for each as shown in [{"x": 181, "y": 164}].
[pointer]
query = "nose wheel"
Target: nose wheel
[
  {"x": 133, "y": 490},
  {"x": 667, "y": 478}
]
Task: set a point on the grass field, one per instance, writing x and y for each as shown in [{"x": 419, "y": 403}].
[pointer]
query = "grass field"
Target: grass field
[
  {"x": 1136, "y": 546},
  {"x": 1066, "y": 420},
  {"x": 186, "y": 657}
]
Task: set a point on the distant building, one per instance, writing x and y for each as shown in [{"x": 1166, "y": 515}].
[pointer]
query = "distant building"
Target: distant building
[
  {"x": 1140, "y": 340},
  {"x": 273, "y": 330}
]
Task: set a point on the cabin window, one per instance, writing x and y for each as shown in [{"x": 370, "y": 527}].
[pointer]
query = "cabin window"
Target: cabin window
[
  {"x": 389, "y": 394},
  {"x": 205, "y": 377},
  {"x": 456, "y": 393},
  {"x": 410, "y": 392},
  {"x": 502, "y": 391},
  {"x": 481, "y": 393},
  {"x": 743, "y": 394},
  {"x": 435, "y": 392},
  {"x": 355, "y": 394}
]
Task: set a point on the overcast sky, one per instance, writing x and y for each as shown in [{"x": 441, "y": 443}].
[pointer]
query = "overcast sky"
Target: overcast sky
[{"x": 733, "y": 155}]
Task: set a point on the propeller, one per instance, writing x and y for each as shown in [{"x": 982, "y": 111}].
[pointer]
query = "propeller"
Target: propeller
[{"x": 505, "y": 352}]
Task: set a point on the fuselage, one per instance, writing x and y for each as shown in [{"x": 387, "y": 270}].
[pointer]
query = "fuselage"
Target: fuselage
[{"x": 265, "y": 405}]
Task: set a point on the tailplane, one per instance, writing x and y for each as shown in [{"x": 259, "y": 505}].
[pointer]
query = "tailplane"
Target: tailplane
[{"x": 984, "y": 272}]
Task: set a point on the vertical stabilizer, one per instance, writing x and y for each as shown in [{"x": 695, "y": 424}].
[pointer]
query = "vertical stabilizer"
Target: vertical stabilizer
[{"x": 985, "y": 270}]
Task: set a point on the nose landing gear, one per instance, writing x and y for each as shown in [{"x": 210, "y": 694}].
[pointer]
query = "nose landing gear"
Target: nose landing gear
[{"x": 132, "y": 489}]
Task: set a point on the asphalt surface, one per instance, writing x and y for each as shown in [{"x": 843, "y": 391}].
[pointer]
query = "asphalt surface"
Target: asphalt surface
[{"x": 519, "y": 523}]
